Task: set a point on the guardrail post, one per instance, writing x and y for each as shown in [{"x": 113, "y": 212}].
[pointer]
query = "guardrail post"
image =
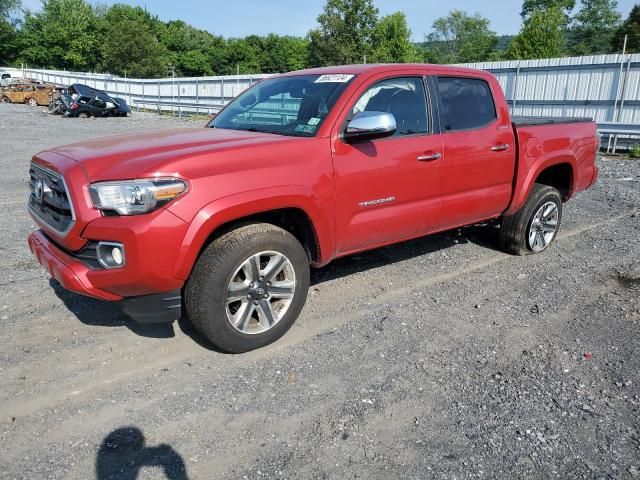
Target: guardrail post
[{"x": 623, "y": 95}]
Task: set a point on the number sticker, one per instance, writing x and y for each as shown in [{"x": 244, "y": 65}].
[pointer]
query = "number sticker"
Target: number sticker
[{"x": 334, "y": 78}]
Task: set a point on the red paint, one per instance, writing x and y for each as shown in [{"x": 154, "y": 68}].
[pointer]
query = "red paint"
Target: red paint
[{"x": 233, "y": 174}]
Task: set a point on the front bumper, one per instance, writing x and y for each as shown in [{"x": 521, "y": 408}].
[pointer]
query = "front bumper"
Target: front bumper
[{"x": 73, "y": 275}]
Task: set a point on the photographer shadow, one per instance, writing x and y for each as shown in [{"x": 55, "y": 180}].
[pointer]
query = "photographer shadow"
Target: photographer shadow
[{"x": 123, "y": 454}]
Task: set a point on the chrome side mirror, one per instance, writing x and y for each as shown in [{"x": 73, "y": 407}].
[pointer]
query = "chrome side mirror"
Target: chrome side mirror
[{"x": 369, "y": 126}]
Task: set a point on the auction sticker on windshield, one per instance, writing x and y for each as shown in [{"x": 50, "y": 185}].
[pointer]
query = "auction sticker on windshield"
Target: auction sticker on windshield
[{"x": 334, "y": 78}]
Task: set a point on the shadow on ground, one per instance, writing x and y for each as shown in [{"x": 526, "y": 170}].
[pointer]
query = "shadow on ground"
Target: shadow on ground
[
  {"x": 109, "y": 314},
  {"x": 123, "y": 454},
  {"x": 91, "y": 311}
]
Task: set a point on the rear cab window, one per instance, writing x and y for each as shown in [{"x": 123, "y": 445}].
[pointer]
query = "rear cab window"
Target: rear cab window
[{"x": 465, "y": 103}]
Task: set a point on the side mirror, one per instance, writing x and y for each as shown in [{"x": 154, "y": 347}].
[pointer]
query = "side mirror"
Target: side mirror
[{"x": 369, "y": 126}]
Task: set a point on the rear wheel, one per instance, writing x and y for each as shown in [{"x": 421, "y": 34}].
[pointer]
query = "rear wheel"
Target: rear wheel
[
  {"x": 5, "y": 100},
  {"x": 83, "y": 115},
  {"x": 248, "y": 287},
  {"x": 535, "y": 225},
  {"x": 32, "y": 101}
]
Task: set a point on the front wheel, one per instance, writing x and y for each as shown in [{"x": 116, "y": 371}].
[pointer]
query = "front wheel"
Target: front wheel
[
  {"x": 5, "y": 100},
  {"x": 535, "y": 225},
  {"x": 32, "y": 102},
  {"x": 248, "y": 287}
]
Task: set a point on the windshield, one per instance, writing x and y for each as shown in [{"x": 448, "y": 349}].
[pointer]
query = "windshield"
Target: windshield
[{"x": 293, "y": 106}]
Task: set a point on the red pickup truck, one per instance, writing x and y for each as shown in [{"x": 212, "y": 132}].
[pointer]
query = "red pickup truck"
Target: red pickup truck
[{"x": 224, "y": 221}]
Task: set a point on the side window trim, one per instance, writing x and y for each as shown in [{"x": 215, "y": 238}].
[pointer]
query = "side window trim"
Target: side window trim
[
  {"x": 495, "y": 119},
  {"x": 429, "y": 106}
]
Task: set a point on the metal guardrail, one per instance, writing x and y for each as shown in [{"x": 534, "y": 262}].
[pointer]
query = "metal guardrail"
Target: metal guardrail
[
  {"x": 615, "y": 130},
  {"x": 179, "y": 106}
]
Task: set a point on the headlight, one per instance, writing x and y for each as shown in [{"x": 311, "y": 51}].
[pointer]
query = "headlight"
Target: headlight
[{"x": 133, "y": 197}]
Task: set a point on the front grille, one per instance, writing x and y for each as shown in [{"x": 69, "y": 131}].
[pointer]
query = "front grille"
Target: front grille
[{"x": 49, "y": 200}]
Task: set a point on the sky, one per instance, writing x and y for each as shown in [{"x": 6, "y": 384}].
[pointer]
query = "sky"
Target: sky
[{"x": 239, "y": 18}]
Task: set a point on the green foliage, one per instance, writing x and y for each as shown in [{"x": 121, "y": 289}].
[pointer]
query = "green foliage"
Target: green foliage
[
  {"x": 8, "y": 42},
  {"x": 63, "y": 35},
  {"x": 460, "y": 37},
  {"x": 392, "y": 41},
  {"x": 529, "y": 7},
  {"x": 542, "y": 36},
  {"x": 139, "y": 55},
  {"x": 594, "y": 27},
  {"x": 631, "y": 27},
  {"x": 344, "y": 34},
  {"x": 635, "y": 151}
]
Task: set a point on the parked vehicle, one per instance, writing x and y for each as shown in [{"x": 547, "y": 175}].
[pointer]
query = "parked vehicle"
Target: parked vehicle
[
  {"x": 83, "y": 101},
  {"x": 300, "y": 169},
  {"x": 31, "y": 94},
  {"x": 5, "y": 78}
]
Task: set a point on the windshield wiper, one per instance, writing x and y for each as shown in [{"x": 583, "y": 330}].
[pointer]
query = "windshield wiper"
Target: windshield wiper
[{"x": 258, "y": 130}]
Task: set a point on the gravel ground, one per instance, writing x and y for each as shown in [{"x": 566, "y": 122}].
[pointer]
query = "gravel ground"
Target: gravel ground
[{"x": 437, "y": 358}]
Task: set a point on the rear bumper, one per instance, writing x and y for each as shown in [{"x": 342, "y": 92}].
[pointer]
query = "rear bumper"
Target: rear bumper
[{"x": 73, "y": 275}]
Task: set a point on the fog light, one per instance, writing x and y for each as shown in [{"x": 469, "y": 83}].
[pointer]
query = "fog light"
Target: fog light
[{"x": 111, "y": 255}]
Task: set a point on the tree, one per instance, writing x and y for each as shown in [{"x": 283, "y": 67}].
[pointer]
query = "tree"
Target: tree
[
  {"x": 243, "y": 54},
  {"x": 594, "y": 27},
  {"x": 63, "y": 35},
  {"x": 460, "y": 37},
  {"x": 542, "y": 36},
  {"x": 139, "y": 54},
  {"x": 630, "y": 27},
  {"x": 8, "y": 34},
  {"x": 194, "y": 52},
  {"x": 392, "y": 40},
  {"x": 531, "y": 6},
  {"x": 345, "y": 33}
]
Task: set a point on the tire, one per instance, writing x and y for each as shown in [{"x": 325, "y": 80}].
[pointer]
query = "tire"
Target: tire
[
  {"x": 529, "y": 231},
  {"x": 5, "y": 100},
  {"x": 83, "y": 115},
  {"x": 32, "y": 102},
  {"x": 240, "y": 321}
]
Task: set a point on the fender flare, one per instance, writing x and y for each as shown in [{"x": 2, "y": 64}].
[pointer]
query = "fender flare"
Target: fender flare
[
  {"x": 241, "y": 205},
  {"x": 527, "y": 176}
]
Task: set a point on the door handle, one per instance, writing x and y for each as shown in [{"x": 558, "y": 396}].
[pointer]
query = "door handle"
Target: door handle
[
  {"x": 427, "y": 158},
  {"x": 500, "y": 148}
]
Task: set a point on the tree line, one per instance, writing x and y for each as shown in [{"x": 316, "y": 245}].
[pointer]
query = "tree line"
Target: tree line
[{"x": 126, "y": 40}]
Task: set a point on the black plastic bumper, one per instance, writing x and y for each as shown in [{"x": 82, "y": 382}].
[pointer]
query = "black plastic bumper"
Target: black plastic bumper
[{"x": 160, "y": 308}]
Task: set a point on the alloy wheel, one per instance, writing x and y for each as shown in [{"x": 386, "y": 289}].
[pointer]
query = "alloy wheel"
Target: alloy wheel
[
  {"x": 543, "y": 227},
  {"x": 260, "y": 292}
]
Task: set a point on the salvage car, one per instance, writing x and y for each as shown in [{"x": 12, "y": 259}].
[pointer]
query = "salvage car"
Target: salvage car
[
  {"x": 300, "y": 169},
  {"x": 29, "y": 93},
  {"x": 83, "y": 101}
]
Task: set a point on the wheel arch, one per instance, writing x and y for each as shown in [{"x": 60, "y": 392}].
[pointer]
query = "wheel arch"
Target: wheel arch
[
  {"x": 557, "y": 170},
  {"x": 296, "y": 214}
]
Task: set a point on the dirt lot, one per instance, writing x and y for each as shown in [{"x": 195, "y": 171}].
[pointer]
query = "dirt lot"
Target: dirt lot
[{"x": 438, "y": 358}]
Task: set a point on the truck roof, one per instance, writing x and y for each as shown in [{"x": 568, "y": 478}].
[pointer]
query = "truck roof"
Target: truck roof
[{"x": 373, "y": 68}]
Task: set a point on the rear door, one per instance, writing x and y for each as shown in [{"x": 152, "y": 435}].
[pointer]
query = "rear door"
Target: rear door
[
  {"x": 479, "y": 149},
  {"x": 388, "y": 189}
]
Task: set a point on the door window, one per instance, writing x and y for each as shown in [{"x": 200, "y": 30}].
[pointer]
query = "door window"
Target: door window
[
  {"x": 466, "y": 103},
  {"x": 405, "y": 98}
]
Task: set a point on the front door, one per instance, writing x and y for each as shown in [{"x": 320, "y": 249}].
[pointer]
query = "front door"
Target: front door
[{"x": 388, "y": 189}]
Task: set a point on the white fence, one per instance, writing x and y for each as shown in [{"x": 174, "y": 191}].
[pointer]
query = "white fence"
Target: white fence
[
  {"x": 206, "y": 94},
  {"x": 604, "y": 87}
]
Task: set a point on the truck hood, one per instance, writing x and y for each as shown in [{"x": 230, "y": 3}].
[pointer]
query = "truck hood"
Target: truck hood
[{"x": 162, "y": 152}]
